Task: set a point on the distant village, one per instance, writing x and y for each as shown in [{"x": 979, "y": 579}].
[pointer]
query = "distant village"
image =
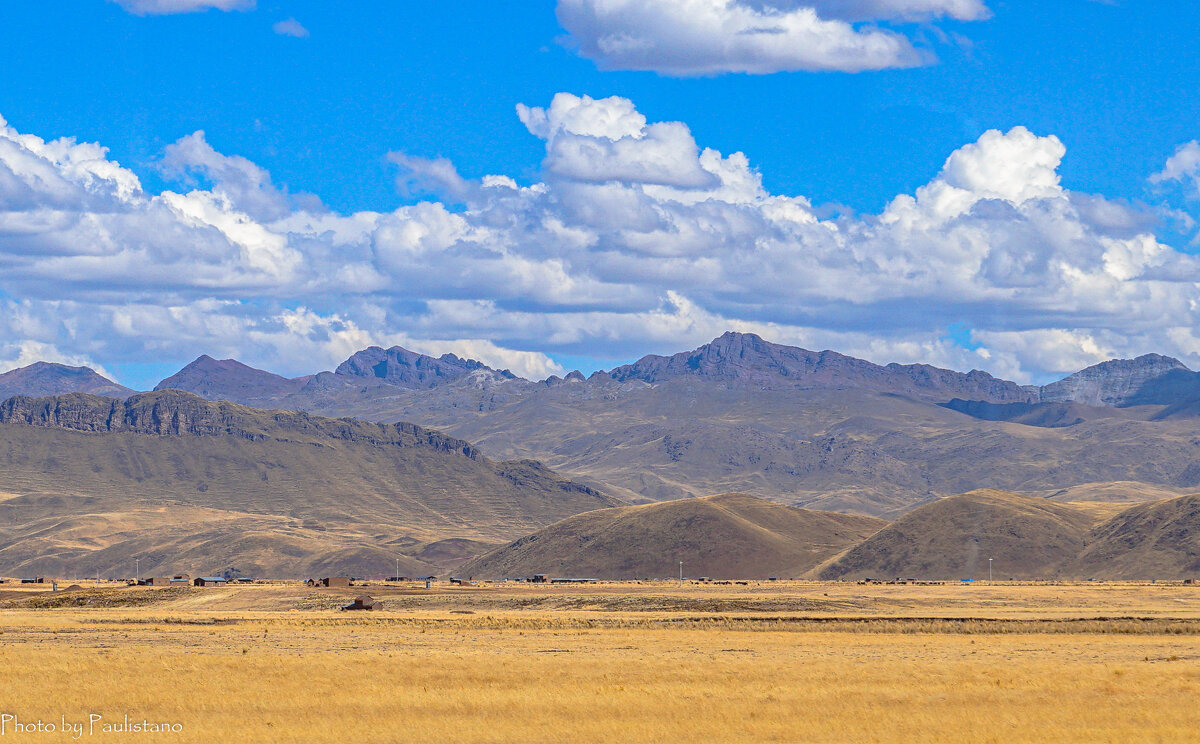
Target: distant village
[{"x": 362, "y": 602}]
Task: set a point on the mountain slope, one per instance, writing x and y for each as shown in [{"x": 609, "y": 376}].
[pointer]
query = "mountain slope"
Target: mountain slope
[
  {"x": 954, "y": 537},
  {"x": 727, "y": 536},
  {"x": 354, "y": 487},
  {"x": 1157, "y": 540},
  {"x": 1047, "y": 414},
  {"x": 47, "y": 378}
]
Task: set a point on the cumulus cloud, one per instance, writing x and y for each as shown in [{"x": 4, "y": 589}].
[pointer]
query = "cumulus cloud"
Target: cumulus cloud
[
  {"x": 235, "y": 179},
  {"x": 635, "y": 238},
  {"x": 598, "y": 141},
  {"x": 709, "y": 37},
  {"x": 169, "y": 7}
]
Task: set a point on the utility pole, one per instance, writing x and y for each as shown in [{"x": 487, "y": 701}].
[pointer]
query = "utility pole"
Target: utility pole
[
  {"x": 989, "y": 570},
  {"x": 137, "y": 570},
  {"x": 396, "y": 575},
  {"x": 681, "y": 573}
]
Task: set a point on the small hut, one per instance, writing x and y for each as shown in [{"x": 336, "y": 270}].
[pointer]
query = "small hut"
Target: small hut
[
  {"x": 364, "y": 602},
  {"x": 209, "y": 581}
]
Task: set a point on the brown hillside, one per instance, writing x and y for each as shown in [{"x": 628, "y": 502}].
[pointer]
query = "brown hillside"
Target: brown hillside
[
  {"x": 952, "y": 538},
  {"x": 1158, "y": 540},
  {"x": 188, "y": 484},
  {"x": 1117, "y": 492},
  {"x": 726, "y": 536}
]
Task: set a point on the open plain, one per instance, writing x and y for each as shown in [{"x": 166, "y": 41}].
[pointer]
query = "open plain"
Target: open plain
[{"x": 621, "y": 662}]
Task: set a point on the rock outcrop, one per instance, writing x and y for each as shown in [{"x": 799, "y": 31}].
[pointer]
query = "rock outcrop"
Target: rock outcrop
[{"x": 177, "y": 413}]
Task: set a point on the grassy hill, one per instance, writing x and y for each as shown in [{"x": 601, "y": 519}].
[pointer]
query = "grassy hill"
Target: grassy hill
[
  {"x": 1157, "y": 540},
  {"x": 952, "y": 538},
  {"x": 726, "y": 536}
]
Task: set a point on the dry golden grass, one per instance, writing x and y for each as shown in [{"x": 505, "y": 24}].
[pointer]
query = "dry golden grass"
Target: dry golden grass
[{"x": 1011, "y": 668}]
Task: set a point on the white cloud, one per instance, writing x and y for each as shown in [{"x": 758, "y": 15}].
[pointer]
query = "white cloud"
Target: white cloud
[
  {"x": 594, "y": 141},
  {"x": 290, "y": 27},
  {"x": 169, "y": 7},
  {"x": 531, "y": 365},
  {"x": 244, "y": 184},
  {"x": 1183, "y": 166},
  {"x": 636, "y": 238},
  {"x": 420, "y": 175},
  {"x": 1060, "y": 349},
  {"x": 899, "y": 10},
  {"x": 708, "y": 37}
]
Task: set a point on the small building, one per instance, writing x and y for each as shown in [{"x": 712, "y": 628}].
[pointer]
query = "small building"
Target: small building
[
  {"x": 335, "y": 581},
  {"x": 243, "y": 580},
  {"x": 364, "y": 602},
  {"x": 538, "y": 579},
  {"x": 157, "y": 581},
  {"x": 210, "y": 581}
]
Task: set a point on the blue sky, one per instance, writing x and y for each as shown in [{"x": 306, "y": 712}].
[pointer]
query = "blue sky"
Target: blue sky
[{"x": 320, "y": 113}]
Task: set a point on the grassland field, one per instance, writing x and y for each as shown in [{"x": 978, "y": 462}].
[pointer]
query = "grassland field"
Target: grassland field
[{"x": 609, "y": 662}]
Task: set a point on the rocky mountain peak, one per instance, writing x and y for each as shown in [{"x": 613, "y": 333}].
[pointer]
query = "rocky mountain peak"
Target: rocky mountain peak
[
  {"x": 401, "y": 367},
  {"x": 229, "y": 379},
  {"x": 1118, "y": 382},
  {"x": 748, "y": 359}
]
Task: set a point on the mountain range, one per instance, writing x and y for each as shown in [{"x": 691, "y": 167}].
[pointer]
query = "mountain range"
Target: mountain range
[
  {"x": 740, "y": 414},
  {"x": 829, "y": 467}
]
